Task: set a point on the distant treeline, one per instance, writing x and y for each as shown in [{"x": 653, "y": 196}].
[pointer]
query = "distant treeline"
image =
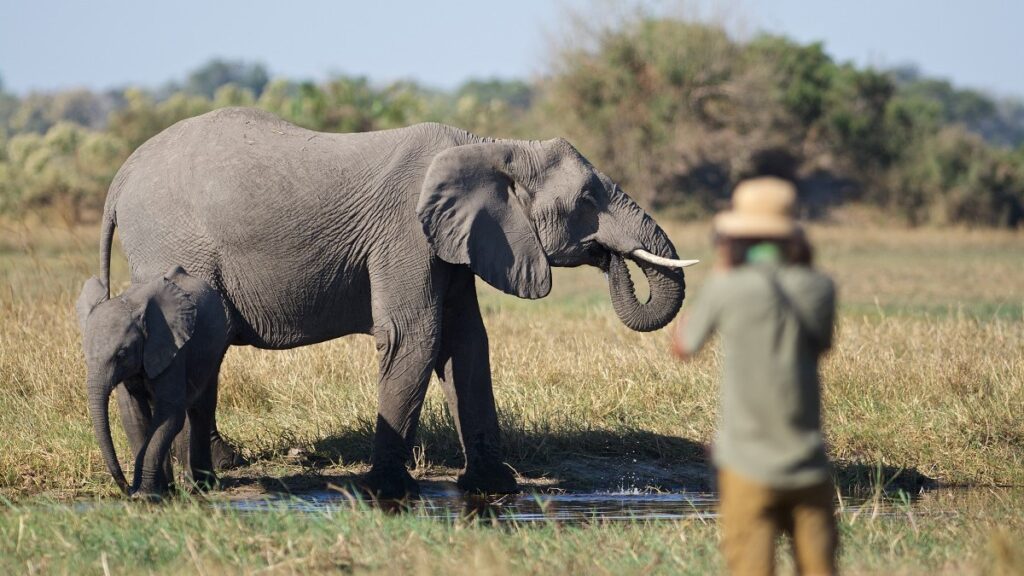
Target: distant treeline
[{"x": 676, "y": 111}]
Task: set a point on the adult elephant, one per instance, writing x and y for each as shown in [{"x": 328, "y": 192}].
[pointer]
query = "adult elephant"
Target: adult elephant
[{"x": 312, "y": 236}]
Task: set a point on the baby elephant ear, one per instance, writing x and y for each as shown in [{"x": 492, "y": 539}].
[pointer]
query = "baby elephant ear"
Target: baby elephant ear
[
  {"x": 169, "y": 321},
  {"x": 93, "y": 292}
]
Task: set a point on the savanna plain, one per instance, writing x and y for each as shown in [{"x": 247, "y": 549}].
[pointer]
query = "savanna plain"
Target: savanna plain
[{"x": 924, "y": 415}]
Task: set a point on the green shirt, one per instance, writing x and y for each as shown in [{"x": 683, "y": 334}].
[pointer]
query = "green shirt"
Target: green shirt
[{"x": 775, "y": 322}]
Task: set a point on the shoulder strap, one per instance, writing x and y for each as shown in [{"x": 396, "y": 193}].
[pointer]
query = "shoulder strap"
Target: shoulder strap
[{"x": 772, "y": 276}]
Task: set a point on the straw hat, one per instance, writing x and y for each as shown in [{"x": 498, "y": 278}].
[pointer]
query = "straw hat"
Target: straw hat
[{"x": 761, "y": 208}]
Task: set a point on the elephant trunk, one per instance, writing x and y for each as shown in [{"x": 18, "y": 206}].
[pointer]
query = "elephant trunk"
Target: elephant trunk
[
  {"x": 667, "y": 292},
  {"x": 627, "y": 230},
  {"x": 99, "y": 412}
]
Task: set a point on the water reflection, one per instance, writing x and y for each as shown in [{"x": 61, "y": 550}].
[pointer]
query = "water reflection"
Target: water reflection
[
  {"x": 587, "y": 507},
  {"x": 445, "y": 502},
  {"x": 453, "y": 506}
]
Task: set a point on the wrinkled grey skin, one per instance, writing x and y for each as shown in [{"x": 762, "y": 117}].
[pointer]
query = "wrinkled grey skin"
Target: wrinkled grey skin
[
  {"x": 164, "y": 339},
  {"x": 311, "y": 236}
]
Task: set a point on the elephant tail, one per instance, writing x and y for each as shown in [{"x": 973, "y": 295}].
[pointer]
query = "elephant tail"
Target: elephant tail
[
  {"x": 109, "y": 222},
  {"x": 106, "y": 240}
]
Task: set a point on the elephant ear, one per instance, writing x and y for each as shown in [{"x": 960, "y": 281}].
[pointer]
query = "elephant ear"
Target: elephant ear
[
  {"x": 471, "y": 215},
  {"x": 93, "y": 292},
  {"x": 169, "y": 320}
]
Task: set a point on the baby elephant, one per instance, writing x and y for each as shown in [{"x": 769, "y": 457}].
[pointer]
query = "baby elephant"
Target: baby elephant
[{"x": 164, "y": 339}]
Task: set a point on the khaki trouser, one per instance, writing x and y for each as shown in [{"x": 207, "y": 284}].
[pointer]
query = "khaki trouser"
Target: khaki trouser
[{"x": 752, "y": 515}]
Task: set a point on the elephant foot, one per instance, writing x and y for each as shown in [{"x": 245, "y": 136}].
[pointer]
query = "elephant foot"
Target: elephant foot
[
  {"x": 391, "y": 483},
  {"x": 203, "y": 481},
  {"x": 153, "y": 490},
  {"x": 492, "y": 478},
  {"x": 225, "y": 456},
  {"x": 148, "y": 496}
]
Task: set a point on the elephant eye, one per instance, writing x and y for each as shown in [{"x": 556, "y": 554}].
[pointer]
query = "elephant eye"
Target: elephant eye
[{"x": 588, "y": 197}]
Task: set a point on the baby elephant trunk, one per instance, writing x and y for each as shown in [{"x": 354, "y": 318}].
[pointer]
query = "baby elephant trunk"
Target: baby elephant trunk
[{"x": 99, "y": 411}]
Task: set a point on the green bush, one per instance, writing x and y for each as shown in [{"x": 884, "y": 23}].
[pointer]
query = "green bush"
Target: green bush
[
  {"x": 68, "y": 168},
  {"x": 953, "y": 177},
  {"x": 660, "y": 105},
  {"x": 679, "y": 112},
  {"x": 676, "y": 111}
]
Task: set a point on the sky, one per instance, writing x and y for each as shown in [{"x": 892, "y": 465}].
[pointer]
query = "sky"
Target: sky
[{"x": 98, "y": 44}]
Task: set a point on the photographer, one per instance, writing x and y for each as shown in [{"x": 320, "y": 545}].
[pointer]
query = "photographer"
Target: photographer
[{"x": 775, "y": 315}]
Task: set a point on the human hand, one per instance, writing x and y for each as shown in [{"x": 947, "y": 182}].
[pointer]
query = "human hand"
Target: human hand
[
  {"x": 678, "y": 349},
  {"x": 723, "y": 257}
]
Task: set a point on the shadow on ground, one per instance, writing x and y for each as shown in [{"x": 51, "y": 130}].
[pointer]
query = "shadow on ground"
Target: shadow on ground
[{"x": 570, "y": 460}]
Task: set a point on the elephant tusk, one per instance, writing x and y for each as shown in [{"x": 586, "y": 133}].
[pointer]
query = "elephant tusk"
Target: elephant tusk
[{"x": 660, "y": 261}]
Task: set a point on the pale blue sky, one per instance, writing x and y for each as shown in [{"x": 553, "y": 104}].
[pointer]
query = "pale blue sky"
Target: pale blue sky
[{"x": 49, "y": 44}]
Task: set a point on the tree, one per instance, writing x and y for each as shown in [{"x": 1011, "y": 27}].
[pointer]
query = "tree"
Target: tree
[
  {"x": 491, "y": 107},
  {"x": 8, "y": 106},
  {"x": 999, "y": 121},
  {"x": 954, "y": 177},
  {"x": 671, "y": 109},
  {"x": 206, "y": 79},
  {"x": 802, "y": 75},
  {"x": 142, "y": 117},
  {"x": 854, "y": 117}
]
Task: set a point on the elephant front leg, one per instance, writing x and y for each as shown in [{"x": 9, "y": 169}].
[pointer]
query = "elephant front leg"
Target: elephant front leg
[
  {"x": 133, "y": 404},
  {"x": 136, "y": 416},
  {"x": 407, "y": 351},
  {"x": 464, "y": 368},
  {"x": 152, "y": 473}
]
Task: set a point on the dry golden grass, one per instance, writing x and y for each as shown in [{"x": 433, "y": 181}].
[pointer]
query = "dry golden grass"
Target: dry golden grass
[{"x": 927, "y": 375}]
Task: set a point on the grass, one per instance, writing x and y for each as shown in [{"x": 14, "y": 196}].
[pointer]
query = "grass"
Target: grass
[
  {"x": 926, "y": 384},
  {"x": 945, "y": 533}
]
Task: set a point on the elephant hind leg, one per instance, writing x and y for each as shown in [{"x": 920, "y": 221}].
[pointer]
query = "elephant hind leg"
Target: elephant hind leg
[
  {"x": 224, "y": 455},
  {"x": 200, "y": 465}
]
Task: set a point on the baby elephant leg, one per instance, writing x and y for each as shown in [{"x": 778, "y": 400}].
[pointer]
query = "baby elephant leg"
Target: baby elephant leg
[
  {"x": 192, "y": 447},
  {"x": 225, "y": 455},
  {"x": 201, "y": 467},
  {"x": 135, "y": 416},
  {"x": 169, "y": 407}
]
